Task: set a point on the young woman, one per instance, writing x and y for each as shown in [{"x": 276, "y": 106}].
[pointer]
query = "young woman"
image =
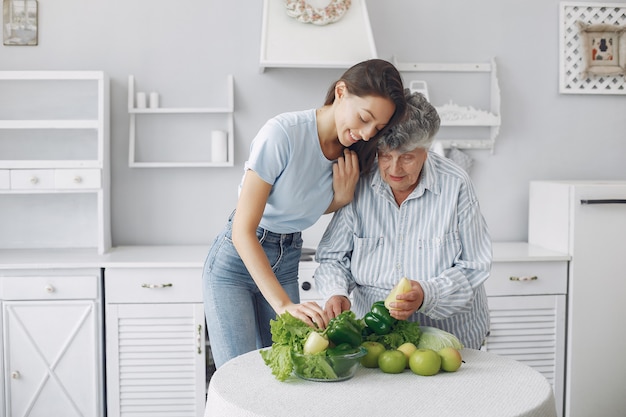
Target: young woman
[{"x": 302, "y": 164}]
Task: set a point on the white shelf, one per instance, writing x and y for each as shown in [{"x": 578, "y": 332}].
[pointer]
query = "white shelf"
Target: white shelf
[
  {"x": 54, "y": 160},
  {"x": 287, "y": 43},
  {"x": 453, "y": 115},
  {"x": 49, "y": 124},
  {"x": 227, "y": 112}
]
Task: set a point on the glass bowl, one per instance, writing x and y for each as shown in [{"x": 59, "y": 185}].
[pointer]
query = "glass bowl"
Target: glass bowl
[{"x": 323, "y": 368}]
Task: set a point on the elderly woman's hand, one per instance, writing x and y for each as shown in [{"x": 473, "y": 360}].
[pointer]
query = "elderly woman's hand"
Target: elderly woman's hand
[{"x": 408, "y": 303}]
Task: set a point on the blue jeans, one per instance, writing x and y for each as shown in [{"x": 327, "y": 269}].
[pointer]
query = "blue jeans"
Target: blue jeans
[{"x": 237, "y": 315}]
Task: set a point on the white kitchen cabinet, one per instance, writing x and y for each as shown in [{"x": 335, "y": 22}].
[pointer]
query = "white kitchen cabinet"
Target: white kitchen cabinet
[
  {"x": 156, "y": 342},
  {"x": 54, "y": 160},
  {"x": 52, "y": 343},
  {"x": 587, "y": 220},
  {"x": 527, "y": 303}
]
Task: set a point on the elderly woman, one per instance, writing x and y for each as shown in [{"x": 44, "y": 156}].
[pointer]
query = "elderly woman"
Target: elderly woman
[{"x": 417, "y": 216}]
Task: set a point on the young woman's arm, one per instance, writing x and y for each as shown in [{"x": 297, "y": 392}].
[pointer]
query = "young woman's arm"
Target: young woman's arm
[{"x": 250, "y": 207}]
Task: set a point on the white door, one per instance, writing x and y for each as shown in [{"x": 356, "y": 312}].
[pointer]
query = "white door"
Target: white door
[
  {"x": 155, "y": 360},
  {"x": 51, "y": 358}
]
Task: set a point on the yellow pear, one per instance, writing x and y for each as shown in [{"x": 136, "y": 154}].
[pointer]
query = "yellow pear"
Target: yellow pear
[{"x": 403, "y": 286}]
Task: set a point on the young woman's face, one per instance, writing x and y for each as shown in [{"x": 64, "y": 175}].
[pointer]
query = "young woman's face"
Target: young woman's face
[{"x": 360, "y": 118}]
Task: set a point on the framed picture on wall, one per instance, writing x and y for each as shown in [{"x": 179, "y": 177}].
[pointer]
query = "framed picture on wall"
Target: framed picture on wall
[
  {"x": 592, "y": 56},
  {"x": 601, "y": 45},
  {"x": 19, "y": 22}
]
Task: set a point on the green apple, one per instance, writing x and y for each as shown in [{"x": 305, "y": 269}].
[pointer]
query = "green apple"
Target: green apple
[
  {"x": 425, "y": 362},
  {"x": 450, "y": 359},
  {"x": 407, "y": 348},
  {"x": 392, "y": 361},
  {"x": 374, "y": 349}
]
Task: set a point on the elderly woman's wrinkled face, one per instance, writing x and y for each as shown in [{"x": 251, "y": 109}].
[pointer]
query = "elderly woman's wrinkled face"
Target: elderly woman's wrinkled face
[{"x": 401, "y": 170}]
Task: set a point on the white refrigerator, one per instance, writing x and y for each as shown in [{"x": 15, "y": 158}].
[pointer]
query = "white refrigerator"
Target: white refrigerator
[{"x": 587, "y": 220}]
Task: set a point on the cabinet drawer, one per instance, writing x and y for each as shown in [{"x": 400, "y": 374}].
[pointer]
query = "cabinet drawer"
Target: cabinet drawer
[
  {"x": 527, "y": 278},
  {"x": 5, "y": 179},
  {"x": 153, "y": 285},
  {"x": 49, "y": 287},
  {"x": 32, "y": 179},
  {"x": 77, "y": 178}
]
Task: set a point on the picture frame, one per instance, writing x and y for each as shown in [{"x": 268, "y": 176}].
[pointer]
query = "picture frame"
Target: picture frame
[
  {"x": 603, "y": 46},
  {"x": 20, "y": 22},
  {"x": 579, "y": 24}
]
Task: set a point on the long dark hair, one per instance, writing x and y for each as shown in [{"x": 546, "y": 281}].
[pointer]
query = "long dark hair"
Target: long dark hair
[{"x": 379, "y": 78}]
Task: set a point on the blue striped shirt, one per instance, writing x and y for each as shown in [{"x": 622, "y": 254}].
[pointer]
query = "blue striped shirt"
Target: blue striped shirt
[{"x": 437, "y": 236}]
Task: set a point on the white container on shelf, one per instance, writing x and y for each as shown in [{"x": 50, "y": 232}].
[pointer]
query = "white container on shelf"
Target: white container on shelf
[
  {"x": 141, "y": 100},
  {"x": 154, "y": 100},
  {"x": 219, "y": 146}
]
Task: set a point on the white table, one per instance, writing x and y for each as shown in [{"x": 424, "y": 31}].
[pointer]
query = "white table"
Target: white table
[{"x": 486, "y": 385}]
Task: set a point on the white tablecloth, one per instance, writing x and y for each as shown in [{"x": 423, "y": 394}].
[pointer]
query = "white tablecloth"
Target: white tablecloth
[{"x": 486, "y": 385}]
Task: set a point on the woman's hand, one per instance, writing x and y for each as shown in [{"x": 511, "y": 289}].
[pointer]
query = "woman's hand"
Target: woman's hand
[
  {"x": 309, "y": 312},
  {"x": 345, "y": 177}
]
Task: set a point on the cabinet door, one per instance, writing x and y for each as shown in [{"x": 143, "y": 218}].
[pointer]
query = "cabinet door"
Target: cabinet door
[
  {"x": 51, "y": 358},
  {"x": 155, "y": 360},
  {"x": 531, "y": 329}
]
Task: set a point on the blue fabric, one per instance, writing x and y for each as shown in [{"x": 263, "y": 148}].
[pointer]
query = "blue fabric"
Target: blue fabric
[{"x": 286, "y": 153}]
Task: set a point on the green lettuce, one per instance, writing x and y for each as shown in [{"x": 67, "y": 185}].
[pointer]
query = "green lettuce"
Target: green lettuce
[{"x": 288, "y": 333}]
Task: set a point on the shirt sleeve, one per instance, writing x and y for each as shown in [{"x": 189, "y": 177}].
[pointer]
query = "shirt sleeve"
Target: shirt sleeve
[
  {"x": 269, "y": 152},
  {"x": 453, "y": 290},
  {"x": 333, "y": 276}
]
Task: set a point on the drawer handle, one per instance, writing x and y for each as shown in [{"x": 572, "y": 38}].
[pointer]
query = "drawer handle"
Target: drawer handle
[
  {"x": 15, "y": 375},
  {"x": 533, "y": 278},
  {"x": 50, "y": 289},
  {"x": 34, "y": 180},
  {"x": 78, "y": 179},
  {"x": 156, "y": 285}
]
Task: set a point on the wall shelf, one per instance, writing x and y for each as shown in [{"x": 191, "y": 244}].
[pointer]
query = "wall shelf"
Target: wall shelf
[
  {"x": 54, "y": 160},
  {"x": 455, "y": 116},
  {"x": 227, "y": 112}
]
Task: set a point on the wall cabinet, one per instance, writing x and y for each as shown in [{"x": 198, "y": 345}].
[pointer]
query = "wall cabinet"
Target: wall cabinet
[
  {"x": 155, "y": 342},
  {"x": 54, "y": 160},
  {"x": 52, "y": 344}
]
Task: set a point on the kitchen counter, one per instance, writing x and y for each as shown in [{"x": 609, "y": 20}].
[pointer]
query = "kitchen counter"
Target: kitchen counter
[{"x": 194, "y": 256}]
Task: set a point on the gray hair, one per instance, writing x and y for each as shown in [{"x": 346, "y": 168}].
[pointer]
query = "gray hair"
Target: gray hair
[{"x": 418, "y": 129}]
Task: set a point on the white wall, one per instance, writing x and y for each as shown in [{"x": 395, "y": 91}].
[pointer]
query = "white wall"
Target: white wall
[{"x": 185, "y": 48}]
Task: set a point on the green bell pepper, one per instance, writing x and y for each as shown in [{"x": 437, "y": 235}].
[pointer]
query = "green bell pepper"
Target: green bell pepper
[
  {"x": 345, "y": 328},
  {"x": 379, "y": 319}
]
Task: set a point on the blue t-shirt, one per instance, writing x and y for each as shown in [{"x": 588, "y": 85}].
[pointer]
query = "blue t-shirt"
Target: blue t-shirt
[{"x": 286, "y": 153}]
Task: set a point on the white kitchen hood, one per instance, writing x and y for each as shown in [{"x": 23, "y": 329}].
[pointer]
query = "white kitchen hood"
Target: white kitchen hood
[{"x": 288, "y": 43}]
